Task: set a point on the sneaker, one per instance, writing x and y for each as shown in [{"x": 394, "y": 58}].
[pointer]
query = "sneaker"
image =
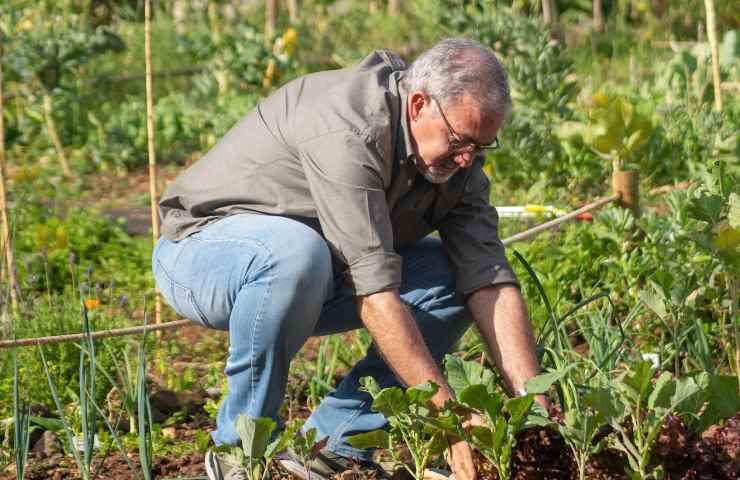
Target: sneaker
[
  {"x": 327, "y": 464},
  {"x": 222, "y": 466}
]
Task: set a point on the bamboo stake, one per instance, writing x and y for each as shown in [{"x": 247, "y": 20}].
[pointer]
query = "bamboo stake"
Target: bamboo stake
[
  {"x": 150, "y": 144},
  {"x": 6, "y": 244},
  {"x": 76, "y": 337},
  {"x": 270, "y": 19},
  {"x": 393, "y": 7},
  {"x": 526, "y": 235},
  {"x": 598, "y": 17},
  {"x": 293, "y": 11},
  {"x": 712, "y": 34}
]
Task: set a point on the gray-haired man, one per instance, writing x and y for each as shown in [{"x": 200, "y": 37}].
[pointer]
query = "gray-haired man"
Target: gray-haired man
[{"x": 312, "y": 216}]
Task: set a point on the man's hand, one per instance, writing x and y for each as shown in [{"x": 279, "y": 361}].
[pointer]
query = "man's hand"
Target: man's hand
[{"x": 461, "y": 461}]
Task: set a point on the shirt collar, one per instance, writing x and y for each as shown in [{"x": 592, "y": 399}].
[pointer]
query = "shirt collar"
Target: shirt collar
[{"x": 405, "y": 132}]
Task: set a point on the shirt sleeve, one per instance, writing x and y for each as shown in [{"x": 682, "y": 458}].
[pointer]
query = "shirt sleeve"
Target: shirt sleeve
[
  {"x": 470, "y": 237},
  {"x": 344, "y": 174}
]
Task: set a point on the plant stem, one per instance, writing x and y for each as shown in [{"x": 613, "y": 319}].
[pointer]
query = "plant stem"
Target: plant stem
[{"x": 52, "y": 130}]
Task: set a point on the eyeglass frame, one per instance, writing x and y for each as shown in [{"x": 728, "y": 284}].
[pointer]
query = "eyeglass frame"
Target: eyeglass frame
[{"x": 456, "y": 143}]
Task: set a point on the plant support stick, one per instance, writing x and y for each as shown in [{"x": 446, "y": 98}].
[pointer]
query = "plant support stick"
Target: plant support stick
[
  {"x": 52, "y": 129},
  {"x": 6, "y": 245},
  {"x": 712, "y": 34},
  {"x": 150, "y": 145}
]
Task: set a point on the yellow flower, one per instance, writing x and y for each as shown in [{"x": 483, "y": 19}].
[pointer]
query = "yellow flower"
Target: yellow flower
[
  {"x": 92, "y": 303},
  {"x": 290, "y": 36}
]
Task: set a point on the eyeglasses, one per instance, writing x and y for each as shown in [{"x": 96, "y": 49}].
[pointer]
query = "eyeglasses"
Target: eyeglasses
[{"x": 456, "y": 143}]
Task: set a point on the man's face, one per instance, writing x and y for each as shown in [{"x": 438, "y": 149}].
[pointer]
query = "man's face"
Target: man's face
[{"x": 437, "y": 143}]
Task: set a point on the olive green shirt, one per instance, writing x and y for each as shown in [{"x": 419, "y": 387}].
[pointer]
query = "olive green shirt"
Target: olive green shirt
[{"x": 333, "y": 149}]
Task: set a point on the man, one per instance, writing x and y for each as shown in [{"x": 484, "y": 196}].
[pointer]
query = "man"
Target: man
[{"x": 312, "y": 215}]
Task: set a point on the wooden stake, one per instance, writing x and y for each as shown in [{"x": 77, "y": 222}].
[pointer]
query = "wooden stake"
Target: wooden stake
[
  {"x": 626, "y": 184},
  {"x": 598, "y": 17},
  {"x": 712, "y": 34},
  {"x": 270, "y": 19},
  {"x": 393, "y": 7},
  {"x": 150, "y": 144},
  {"x": 6, "y": 244},
  {"x": 293, "y": 11}
]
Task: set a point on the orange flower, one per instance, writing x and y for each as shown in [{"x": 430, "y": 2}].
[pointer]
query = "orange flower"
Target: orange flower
[{"x": 92, "y": 303}]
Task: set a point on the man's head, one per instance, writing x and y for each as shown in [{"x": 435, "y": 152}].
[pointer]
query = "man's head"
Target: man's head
[{"x": 458, "y": 97}]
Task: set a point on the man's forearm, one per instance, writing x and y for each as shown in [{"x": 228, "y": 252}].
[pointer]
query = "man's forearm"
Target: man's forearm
[
  {"x": 501, "y": 316},
  {"x": 400, "y": 342}
]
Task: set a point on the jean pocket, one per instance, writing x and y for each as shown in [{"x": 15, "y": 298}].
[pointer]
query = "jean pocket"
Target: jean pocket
[{"x": 178, "y": 296}]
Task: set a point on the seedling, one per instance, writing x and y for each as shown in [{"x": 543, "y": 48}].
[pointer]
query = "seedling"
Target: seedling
[{"x": 411, "y": 422}]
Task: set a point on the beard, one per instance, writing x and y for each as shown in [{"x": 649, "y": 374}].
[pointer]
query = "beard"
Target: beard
[{"x": 440, "y": 173}]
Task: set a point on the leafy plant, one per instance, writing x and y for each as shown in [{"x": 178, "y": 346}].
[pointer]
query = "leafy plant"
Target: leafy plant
[
  {"x": 636, "y": 408},
  {"x": 257, "y": 450},
  {"x": 615, "y": 129},
  {"x": 505, "y": 418},
  {"x": 411, "y": 422},
  {"x": 306, "y": 447}
]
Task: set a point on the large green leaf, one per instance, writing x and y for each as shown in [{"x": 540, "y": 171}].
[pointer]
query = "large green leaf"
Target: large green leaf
[
  {"x": 636, "y": 382},
  {"x": 518, "y": 407},
  {"x": 723, "y": 398},
  {"x": 662, "y": 392},
  {"x": 478, "y": 397},
  {"x": 462, "y": 373},
  {"x": 254, "y": 434},
  {"x": 391, "y": 402},
  {"x": 421, "y": 394}
]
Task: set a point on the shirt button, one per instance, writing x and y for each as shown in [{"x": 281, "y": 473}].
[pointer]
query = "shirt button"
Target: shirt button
[
  {"x": 410, "y": 182},
  {"x": 403, "y": 162}
]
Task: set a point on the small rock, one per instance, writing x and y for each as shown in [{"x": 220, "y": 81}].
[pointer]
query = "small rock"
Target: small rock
[{"x": 169, "y": 432}]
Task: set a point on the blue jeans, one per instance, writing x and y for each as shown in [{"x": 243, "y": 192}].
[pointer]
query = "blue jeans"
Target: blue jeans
[{"x": 268, "y": 280}]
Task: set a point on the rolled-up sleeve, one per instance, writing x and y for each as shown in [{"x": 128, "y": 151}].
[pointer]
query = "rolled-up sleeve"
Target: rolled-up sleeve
[
  {"x": 470, "y": 237},
  {"x": 344, "y": 173}
]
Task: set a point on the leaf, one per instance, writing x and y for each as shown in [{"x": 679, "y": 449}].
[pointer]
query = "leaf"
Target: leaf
[
  {"x": 462, "y": 373},
  {"x": 541, "y": 383},
  {"x": 603, "y": 401},
  {"x": 654, "y": 301},
  {"x": 313, "y": 452},
  {"x": 254, "y": 434},
  {"x": 518, "y": 407},
  {"x": 706, "y": 208},
  {"x": 478, "y": 397},
  {"x": 482, "y": 437},
  {"x": 421, "y": 394},
  {"x": 662, "y": 391},
  {"x": 391, "y": 402},
  {"x": 724, "y": 400},
  {"x": 374, "y": 439},
  {"x": 637, "y": 380}
]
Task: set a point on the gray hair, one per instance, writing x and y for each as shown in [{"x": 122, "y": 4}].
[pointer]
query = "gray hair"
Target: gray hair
[{"x": 459, "y": 66}]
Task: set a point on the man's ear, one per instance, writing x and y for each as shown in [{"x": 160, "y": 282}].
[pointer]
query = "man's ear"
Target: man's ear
[{"x": 417, "y": 102}]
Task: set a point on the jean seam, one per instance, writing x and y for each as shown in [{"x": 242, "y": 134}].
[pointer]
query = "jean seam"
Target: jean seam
[
  {"x": 256, "y": 328},
  {"x": 189, "y": 294}
]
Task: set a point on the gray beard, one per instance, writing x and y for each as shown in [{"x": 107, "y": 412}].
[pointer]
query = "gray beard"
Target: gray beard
[{"x": 436, "y": 178}]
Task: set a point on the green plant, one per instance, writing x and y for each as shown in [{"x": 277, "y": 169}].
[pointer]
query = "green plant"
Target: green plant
[
  {"x": 307, "y": 447},
  {"x": 21, "y": 422},
  {"x": 636, "y": 408},
  {"x": 257, "y": 449},
  {"x": 505, "y": 418},
  {"x": 411, "y": 422}
]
